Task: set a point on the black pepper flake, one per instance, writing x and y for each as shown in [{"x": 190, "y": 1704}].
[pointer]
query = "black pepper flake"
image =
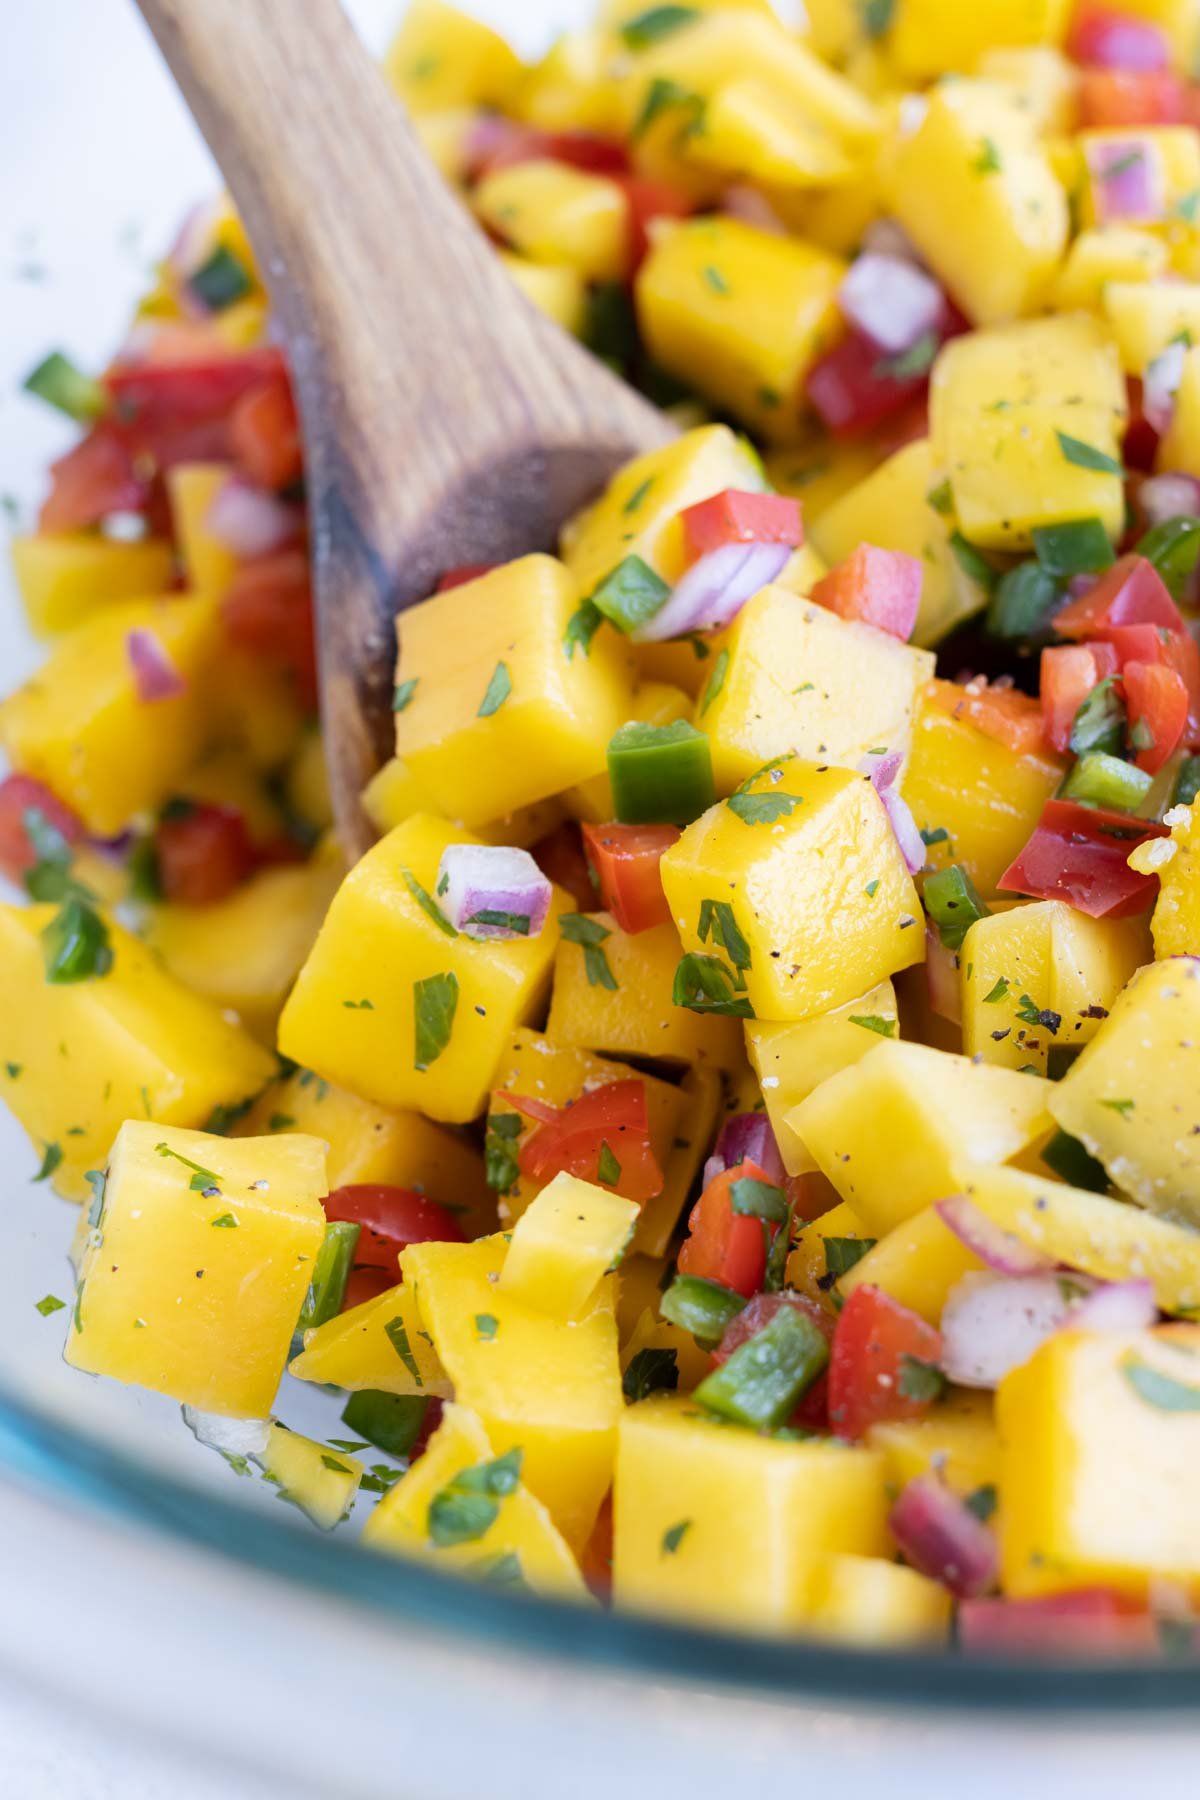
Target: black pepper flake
[
  {"x": 199, "y": 1274},
  {"x": 482, "y": 1011},
  {"x": 999, "y": 1036}
]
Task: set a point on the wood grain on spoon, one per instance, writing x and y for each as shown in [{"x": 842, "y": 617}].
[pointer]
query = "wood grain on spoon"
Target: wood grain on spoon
[{"x": 445, "y": 420}]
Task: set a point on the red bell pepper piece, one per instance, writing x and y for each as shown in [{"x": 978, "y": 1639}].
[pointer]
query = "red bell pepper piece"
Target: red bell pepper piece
[
  {"x": 203, "y": 855},
  {"x": 722, "y": 1245},
  {"x": 20, "y": 795},
  {"x": 1014, "y": 719},
  {"x": 264, "y": 435},
  {"x": 1132, "y": 592},
  {"x": 560, "y": 856},
  {"x": 1156, "y": 699},
  {"x": 1181, "y": 652},
  {"x": 1080, "y": 854},
  {"x": 459, "y": 577},
  {"x": 1111, "y": 39},
  {"x": 1112, "y": 98},
  {"x": 390, "y": 1218},
  {"x": 877, "y": 587},
  {"x": 267, "y": 609},
  {"x": 574, "y": 1140},
  {"x": 1132, "y": 643},
  {"x": 99, "y": 476},
  {"x": 502, "y": 145},
  {"x": 813, "y": 1411},
  {"x": 647, "y": 201},
  {"x": 734, "y": 517},
  {"x": 1069, "y": 672},
  {"x": 180, "y": 411},
  {"x": 880, "y": 1363},
  {"x": 853, "y": 387},
  {"x": 1086, "y": 1622},
  {"x": 627, "y": 861}
]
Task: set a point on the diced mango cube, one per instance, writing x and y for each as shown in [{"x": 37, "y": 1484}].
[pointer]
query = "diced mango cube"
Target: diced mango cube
[
  {"x": 198, "y": 1264},
  {"x": 441, "y": 57},
  {"x": 564, "y": 1244},
  {"x": 957, "y": 1439},
  {"x": 379, "y": 1344},
  {"x": 321, "y": 1483},
  {"x": 935, "y": 37},
  {"x": 557, "y": 289},
  {"x": 1103, "y": 258},
  {"x": 1179, "y": 446},
  {"x": 871, "y": 1602},
  {"x": 754, "y": 132},
  {"x": 917, "y": 1263},
  {"x": 1176, "y": 919},
  {"x": 64, "y": 578},
  {"x": 1147, "y": 316},
  {"x": 811, "y": 1268},
  {"x": 209, "y": 565},
  {"x": 553, "y": 213}
]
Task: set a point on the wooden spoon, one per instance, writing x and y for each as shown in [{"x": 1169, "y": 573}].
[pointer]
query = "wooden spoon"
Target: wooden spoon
[{"x": 445, "y": 420}]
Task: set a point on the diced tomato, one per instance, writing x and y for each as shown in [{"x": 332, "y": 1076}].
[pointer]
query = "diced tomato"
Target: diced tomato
[
  {"x": 264, "y": 433},
  {"x": 722, "y": 1245},
  {"x": 881, "y": 1350},
  {"x": 877, "y": 587},
  {"x": 627, "y": 861},
  {"x": 650, "y": 200},
  {"x": 391, "y": 1218},
  {"x": 1112, "y": 39},
  {"x": 1181, "y": 652},
  {"x": 203, "y": 854},
  {"x": 1069, "y": 672},
  {"x": 504, "y": 144},
  {"x": 99, "y": 476},
  {"x": 1014, "y": 719},
  {"x": 1087, "y": 1622},
  {"x": 813, "y": 1410},
  {"x": 811, "y": 1195},
  {"x": 365, "y": 1282},
  {"x": 853, "y": 387},
  {"x": 734, "y": 517},
  {"x": 1112, "y": 98},
  {"x": 1156, "y": 698},
  {"x": 268, "y": 610},
  {"x": 574, "y": 1141},
  {"x": 1139, "y": 446},
  {"x": 181, "y": 411},
  {"x": 560, "y": 856},
  {"x": 1080, "y": 854},
  {"x": 1131, "y": 643},
  {"x": 19, "y": 795},
  {"x": 1132, "y": 592},
  {"x": 459, "y": 577}
]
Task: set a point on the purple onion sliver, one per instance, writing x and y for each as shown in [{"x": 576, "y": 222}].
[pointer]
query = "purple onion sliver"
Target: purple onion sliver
[
  {"x": 249, "y": 522},
  {"x": 1171, "y": 496},
  {"x": 1127, "y": 180},
  {"x": 492, "y": 891},
  {"x": 1161, "y": 384},
  {"x": 1114, "y": 1306},
  {"x": 997, "y": 1249},
  {"x": 890, "y": 301},
  {"x": 714, "y": 590},
  {"x": 993, "y": 1323},
  {"x": 941, "y": 1536},
  {"x": 155, "y": 675},
  {"x": 746, "y": 1137},
  {"x": 746, "y": 203}
]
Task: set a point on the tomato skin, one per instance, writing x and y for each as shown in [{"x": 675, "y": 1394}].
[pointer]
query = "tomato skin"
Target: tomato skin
[
  {"x": 734, "y": 517},
  {"x": 391, "y": 1218},
  {"x": 560, "y": 856},
  {"x": 876, "y": 587},
  {"x": 264, "y": 434},
  {"x": 1069, "y": 672},
  {"x": 1113, "y": 98},
  {"x": 1014, "y": 719},
  {"x": 1085, "y": 1622},
  {"x": 1157, "y": 699},
  {"x": 1132, "y": 592},
  {"x": 627, "y": 860},
  {"x": 204, "y": 855},
  {"x": 268, "y": 610},
  {"x": 1180, "y": 651},
  {"x": 571, "y": 1139},
  {"x": 20, "y": 794},
  {"x": 722, "y": 1245},
  {"x": 873, "y": 1337},
  {"x": 1140, "y": 444},
  {"x": 95, "y": 478},
  {"x": 1080, "y": 854}
]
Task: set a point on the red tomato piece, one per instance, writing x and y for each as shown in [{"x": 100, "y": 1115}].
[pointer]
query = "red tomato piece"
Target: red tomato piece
[
  {"x": 203, "y": 855},
  {"x": 877, "y": 587},
  {"x": 1112, "y": 98},
  {"x": 459, "y": 577},
  {"x": 876, "y": 1346},
  {"x": 734, "y": 517},
  {"x": 504, "y": 144},
  {"x": 1132, "y": 592},
  {"x": 1156, "y": 698},
  {"x": 1181, "y": 652},
  {"x": 264, "y": 434},
  {"x": 391, "y": 1218},
  {"x": 1087, "y": 1622},
  {"x": 153, "y": 397},
  {"x": 267, "y": 609},
  {"x": 813, "y": 1410},
  {"x": 365, "y": 1282},
  {"x": 1080, "y": 854},
  {"x": 1140, "y": 444},
  {"x": 627, "y": 861},
  {"x": 94, "y": 479},
  {"x": 1069, "y": 672},
  {"x": 560, "y": 856},
  {"x": 595, "y": 1564},
  {"x": 647, "y": 201},
  {"x": 19, "y": 795},
  {"x": 575, "y": 1139},
  {"x": 1132, "y": 643},
  {"x": 1112, "y": 39},
  {"x": 1004, "y": 713},
  {"x": 722, "y": 1245},
  {"x": 853, "y": 387}
]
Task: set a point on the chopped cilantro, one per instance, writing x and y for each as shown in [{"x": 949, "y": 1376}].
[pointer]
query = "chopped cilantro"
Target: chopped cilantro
[
  {"x": 427, "y": 903},
  {"x": 589, "y": 934},
  {"x": 674, "y": 1535},
  {"x": 873, "y": 1022},
  {"x": 50, "y": 1303},
  {"x": 404, "y": 693},
  {"x": 396, "y": 1333},
  {"x": 435, "y": 1000},
  {"x": 608, "y": 1169},
  {"x": 1086, "y": 456},
  {"x": 498, "y": 690}
]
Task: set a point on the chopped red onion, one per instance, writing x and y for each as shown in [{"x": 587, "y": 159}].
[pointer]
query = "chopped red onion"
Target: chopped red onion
[
  {"x": 1166, "y": 497},
  {"x": 1127, "y": 179},
  {"x": 1114, "y": 40},
  {"x": 746, "y": 1137},
  {"x": 941, "y": 1536},
  {"x": 942, "y": 982},
  {"x": 155, "y": 675},
  {"x": 882, "y": 773},
  {"x": 491, "y": 891},
  {"x": 998, "y": 1249},
  {"x": 890, "y": 301},
  {"x": 994, "y": 1323},
  {"x": 753, "y": 208},
  {"x": 1114, "y": 1306},
  {"x": 232, "y": 1437},
  {"x": 715, "y": 589},
  {"x": 248, "y": 521},
  {"x": 1161, "y": 384}
]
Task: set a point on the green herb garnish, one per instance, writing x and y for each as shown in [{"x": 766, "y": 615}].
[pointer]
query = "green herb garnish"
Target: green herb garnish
[
  {"x": 589, "y": 934},
  {"x": 435, "y": 1000}
]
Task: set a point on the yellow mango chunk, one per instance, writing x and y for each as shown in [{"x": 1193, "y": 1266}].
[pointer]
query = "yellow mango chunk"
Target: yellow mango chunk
[
  {"x": 1179, "y": 447},
  {"x": 638, "y": 1290},
  {"x": 819, "y": 471},
  {"x": 307, "y": 789},
  {"x": 319, "y": 1481},
  {"x": 907, "y": 1125},
  {"x": 504, "y": 711},
  {"x": 392, "y": 795},
  {"x": 557, "y": 289},
  {"x": 811, "y": 1268},
  {"x": 556, "y": 214},
  {"x": 548, "y": 1386},
  {"x": 390, "y": 1006},
  {"x": 244, "y": 952},
  {"x": 1145, "y": 317},
  {"x": 937, "y": 37},
  {"x": 986, "y": 797},
  {"x": 520, "y": 1546},
  {"x": 1107, "y": 1238},
  {"x": 80, "y": 1058},
  {"x": 701, "y": 1094},
  {"x": 739, "y": 313},
  {"x": 63, "y": 578},
  {"x": 728, "y": 1527},
  {"x": 378, "y": 1344},
  {"x": 805, "y": 909},
  {"x": 871, "y": 1602},
  {"x": 638, "y": 513},
  {"x": 1041, "y": 82},
  {"x": 1101, "y": 1443},
  {"x": 1001, "y": 404},
  {"x": 754, "y": 132},
  {"x": 564, "y": 1244},
  {"x": 366, "y": 1144},
  {"x": 198, "y": 1264},
  {"x": 79, "y": 726},
  {"x": 791, "y": 1060},
  {"x": 1042, "y": 977},
  {"x": 1105, "y": 257},
  {"x": 788, "y": 675},
  {"x": 1175, "y": 922},
  {"x": 256, "y": 710},
  {"x": 957, "y": 1439},
  {"x": 1132, "y": 1097},
  {"x": 917, "y": 1263},
  {"x": 208, "y": 565},
  {"x": 653, "y": 703},
  {"x": 441, "y": 57},
  {"x": 636, "y": 1016},
  {"x": 890, "y": 507},
  {"x": 571, "y": 88},
  {"x": 975, "y": 191},
  {"x": 447, "y": 138}
]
